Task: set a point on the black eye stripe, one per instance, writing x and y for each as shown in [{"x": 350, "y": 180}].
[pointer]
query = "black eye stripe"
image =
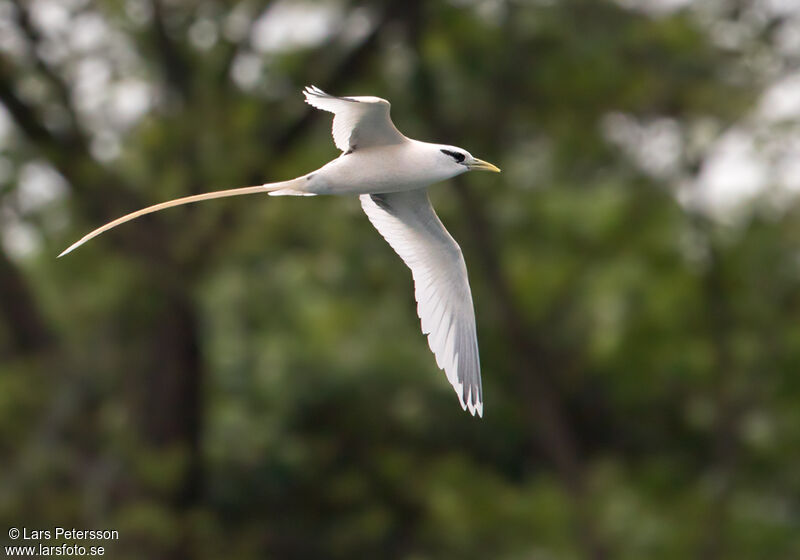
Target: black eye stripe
[{"x": 455, "y": 155}]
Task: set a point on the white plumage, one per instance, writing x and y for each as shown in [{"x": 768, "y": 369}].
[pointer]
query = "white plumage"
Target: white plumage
[
  {"x": 444, "y": 302},
  {"x": 391, "y": 173},
  {"x": 357, "y": 121}
]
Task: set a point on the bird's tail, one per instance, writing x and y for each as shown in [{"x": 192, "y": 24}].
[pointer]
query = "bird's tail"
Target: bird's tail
[{"x": 292, "y": 187}]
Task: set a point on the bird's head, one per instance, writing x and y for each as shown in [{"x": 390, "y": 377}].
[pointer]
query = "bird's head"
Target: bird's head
[{"x": 463, "y": 161}]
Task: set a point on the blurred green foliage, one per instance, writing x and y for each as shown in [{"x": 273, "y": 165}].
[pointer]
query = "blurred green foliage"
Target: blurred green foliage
[{"x": 246, "y": 378}]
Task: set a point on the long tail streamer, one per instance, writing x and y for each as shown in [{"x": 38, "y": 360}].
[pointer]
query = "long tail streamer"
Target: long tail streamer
[{"x": 169, "y": 204}]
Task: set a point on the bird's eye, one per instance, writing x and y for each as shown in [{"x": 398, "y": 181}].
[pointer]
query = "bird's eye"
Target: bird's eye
[{"x": 459, "y": 157}]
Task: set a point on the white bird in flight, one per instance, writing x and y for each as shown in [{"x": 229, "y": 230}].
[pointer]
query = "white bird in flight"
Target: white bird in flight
[{"x": 391, "y": 174}]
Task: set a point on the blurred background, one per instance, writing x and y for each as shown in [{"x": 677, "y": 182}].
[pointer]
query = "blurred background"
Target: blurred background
[{"x": 247, "y": 378}]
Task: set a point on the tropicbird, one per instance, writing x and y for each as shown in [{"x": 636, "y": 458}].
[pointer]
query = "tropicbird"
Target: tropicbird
[{"x": 391, "y": 173}]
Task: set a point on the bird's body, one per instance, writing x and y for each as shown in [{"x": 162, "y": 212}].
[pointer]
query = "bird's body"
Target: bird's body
[
  {"x": 407, "y": 165},
  {"x": 391, "y": 173}
]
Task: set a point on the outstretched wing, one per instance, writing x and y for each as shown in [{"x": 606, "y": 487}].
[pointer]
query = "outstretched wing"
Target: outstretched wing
[
  {"x": 407, "y": 221},
  {"x": 358, "y": 122}
]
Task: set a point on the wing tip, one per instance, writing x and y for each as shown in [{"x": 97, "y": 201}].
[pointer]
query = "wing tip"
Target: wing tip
[
  {"x": 469, "y": 402},
  {"x": 474, "y": 406},
  {"x": 313, "y": 91}
]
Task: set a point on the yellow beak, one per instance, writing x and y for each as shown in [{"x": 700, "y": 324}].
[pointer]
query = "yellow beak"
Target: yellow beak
[{"x": 480, "y": 165}]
